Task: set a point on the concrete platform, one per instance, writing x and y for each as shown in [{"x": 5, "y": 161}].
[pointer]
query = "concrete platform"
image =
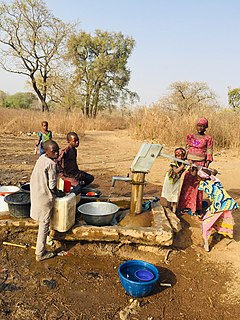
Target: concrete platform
[{"x": 160, "y": 233}]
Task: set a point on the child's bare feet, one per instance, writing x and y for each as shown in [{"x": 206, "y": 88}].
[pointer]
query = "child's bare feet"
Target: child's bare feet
[{"x": 206, "y": 246}]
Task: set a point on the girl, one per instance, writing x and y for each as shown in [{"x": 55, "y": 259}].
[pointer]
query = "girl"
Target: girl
[
  {"x": 219, "y": 214},
  {"x": 171, "y": 183},
  {"x": 43, "y": 136}
]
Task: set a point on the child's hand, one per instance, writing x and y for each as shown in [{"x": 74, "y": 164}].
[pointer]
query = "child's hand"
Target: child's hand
[{"x": 214, "y": 172}]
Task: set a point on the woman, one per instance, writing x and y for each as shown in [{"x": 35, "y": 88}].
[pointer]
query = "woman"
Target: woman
[{"x": 199, "y": 152}]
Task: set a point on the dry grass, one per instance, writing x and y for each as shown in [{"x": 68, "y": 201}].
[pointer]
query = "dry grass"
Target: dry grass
[
  {"x": 152, "y": 124},
  {"x": 158, "y": 125},
  {"x": 23, "y": 121}
]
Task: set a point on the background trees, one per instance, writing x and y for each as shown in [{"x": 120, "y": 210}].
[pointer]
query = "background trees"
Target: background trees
[
  {"x": 21, "y": 100},
  {"x": 100, "y": 69},
  {"x": 32, "y": 42},
  {"x": 186, "y": 97}
]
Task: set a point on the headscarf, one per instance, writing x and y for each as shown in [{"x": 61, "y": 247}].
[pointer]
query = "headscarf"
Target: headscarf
[
  {"x": 203, "y": 121},
  {"x": 204, "y": 175}
]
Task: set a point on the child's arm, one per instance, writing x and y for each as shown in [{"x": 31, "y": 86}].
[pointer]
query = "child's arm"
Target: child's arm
[
  {"x": 179, "y": 169},
  {"x": 52, "y": 181},
  {"x": 39, "y": 139}
]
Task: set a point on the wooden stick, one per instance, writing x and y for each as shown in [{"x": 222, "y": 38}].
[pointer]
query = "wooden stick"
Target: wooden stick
[{"x": 18, "y": 245}]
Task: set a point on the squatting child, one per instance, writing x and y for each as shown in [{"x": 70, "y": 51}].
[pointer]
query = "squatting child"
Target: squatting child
[{"x": 67, "y": 165}]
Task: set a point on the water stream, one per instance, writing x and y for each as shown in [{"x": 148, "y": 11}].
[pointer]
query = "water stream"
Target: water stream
[{"x": 110, "y": 193}]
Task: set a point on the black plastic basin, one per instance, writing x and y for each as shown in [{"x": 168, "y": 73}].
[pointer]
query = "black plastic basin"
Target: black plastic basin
[{"x": 18, "y": 204}]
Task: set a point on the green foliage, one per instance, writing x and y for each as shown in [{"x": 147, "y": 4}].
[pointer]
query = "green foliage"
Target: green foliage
[
  {"x": 234, "y": 98},
  {"x": 101, "y": 72},
  {"x": 20, "y": 100}
]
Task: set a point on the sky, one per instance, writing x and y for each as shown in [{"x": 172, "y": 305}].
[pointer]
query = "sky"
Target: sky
[{"x": 176, "y": 40}]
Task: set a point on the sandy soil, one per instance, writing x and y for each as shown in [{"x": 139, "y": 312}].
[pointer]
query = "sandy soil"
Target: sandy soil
[{"x": 86, "y": 285}]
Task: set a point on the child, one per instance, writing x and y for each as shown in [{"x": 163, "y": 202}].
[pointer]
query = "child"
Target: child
[
  {"x": 171, "y": 183},
  {"x": 42, "y": 191},
  {"x": 67, "y": 165},
  {"x": 219, "y": 214},
  {"x": 43, "y": 136}
]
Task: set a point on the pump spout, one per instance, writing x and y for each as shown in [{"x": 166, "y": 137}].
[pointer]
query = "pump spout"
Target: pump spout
[{"x": 114, "y": 179}]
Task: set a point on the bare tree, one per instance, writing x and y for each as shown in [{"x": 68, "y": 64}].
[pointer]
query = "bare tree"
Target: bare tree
[
  {"x": 186, "y": 97},
  {"x": 32, "y": 41}
]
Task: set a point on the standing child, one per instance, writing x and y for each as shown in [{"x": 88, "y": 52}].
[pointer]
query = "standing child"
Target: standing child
[
  {"x": 42, "y": 191},
  {"x": 67, "y": 165},
  {"x": 43, "y": 136},
  {"x": 171, "y": 183},
  {"x": 219, "y": 215}
]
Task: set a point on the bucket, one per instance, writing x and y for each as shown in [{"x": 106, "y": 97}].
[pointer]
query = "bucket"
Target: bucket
[
  {"x": 25, "y": 187},
  {"x": 18, "y": 204},
  {"x": 5, "y": 190}
]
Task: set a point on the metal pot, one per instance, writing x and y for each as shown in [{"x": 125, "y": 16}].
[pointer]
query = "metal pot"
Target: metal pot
[{"x": 98, "y": 213}]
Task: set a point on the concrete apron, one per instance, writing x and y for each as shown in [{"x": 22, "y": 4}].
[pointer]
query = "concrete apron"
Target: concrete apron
[{"x": 160, "y": 233}]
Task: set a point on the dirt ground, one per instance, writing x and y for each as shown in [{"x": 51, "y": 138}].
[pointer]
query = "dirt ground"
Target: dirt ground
[{"x": 86, "y": 285}]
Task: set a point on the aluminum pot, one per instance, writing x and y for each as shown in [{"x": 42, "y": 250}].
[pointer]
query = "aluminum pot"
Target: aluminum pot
[{"x": 98, "y": 213}]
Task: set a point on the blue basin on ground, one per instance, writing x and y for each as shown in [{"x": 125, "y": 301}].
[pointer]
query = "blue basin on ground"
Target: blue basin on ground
[{"x": 129, "y": 271}]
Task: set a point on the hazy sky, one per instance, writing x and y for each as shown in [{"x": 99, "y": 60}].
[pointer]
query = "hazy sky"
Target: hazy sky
[{"x": 176, "y": 40}]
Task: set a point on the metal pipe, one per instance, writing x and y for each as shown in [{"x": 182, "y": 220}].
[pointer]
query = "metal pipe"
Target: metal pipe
[{"x": 119, "y": 178}]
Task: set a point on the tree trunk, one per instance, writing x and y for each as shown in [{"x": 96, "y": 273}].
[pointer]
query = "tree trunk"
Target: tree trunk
[{"x": 40, "y": 96}]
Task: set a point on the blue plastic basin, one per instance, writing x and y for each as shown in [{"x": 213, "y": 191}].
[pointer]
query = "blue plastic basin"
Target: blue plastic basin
[{"x": 134, "y": 286}]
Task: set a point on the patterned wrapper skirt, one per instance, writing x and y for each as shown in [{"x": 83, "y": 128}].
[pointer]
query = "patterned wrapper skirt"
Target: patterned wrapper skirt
[
  {"x": 190, "y": 196},
  {"x": 222, "y": 222}
]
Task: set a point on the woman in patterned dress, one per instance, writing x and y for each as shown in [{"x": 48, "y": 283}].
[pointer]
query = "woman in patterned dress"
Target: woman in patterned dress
[{"x": 200, "y": 153}]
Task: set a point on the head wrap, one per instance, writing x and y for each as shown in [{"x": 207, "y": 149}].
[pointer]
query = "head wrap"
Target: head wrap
[
  {"x": 203, "y": 174},
  {"x": 203, "y": 121}
]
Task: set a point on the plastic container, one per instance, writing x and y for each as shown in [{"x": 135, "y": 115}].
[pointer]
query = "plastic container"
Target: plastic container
[
  {"x": 18, "y": 204},
  {"x": 144, "y": 275},
  {"x": 134, "y": 286},
  {"x": 25, "y": 187},
  {"x": 64, "y": 185},
  {"x": 64, "y": 212},
  {"x": 5, "y": 190}
]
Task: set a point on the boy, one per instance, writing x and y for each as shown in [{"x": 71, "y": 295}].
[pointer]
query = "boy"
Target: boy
[
  {"x": 67, "y": 165},
  {"x": 42, "y": 191},
  {"x": 43, "y": 136}
]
